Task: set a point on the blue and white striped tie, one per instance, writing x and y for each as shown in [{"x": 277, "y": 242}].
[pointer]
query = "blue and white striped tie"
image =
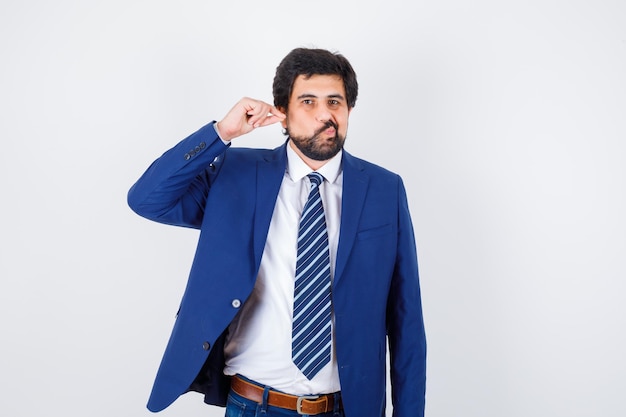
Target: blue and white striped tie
[{"x": 311, "y": 332}]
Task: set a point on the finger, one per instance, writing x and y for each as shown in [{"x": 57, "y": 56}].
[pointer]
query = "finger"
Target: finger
[
  {"x": 255, "y": 120},
  {"x": 270, "y": 120},
  {"x": 255, "y": 110},
  {"x": 275, "y": 112},
  {"x": 264, "y": 115}
]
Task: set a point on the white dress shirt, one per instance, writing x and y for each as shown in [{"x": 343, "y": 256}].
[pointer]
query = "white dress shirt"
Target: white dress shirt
[{"x": 258, "y": 345}]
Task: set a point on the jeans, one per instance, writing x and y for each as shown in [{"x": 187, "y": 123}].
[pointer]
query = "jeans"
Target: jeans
[{"x": 238, "y": 406}]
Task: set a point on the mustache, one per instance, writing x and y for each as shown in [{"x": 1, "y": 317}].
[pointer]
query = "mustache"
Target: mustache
[{"x": 328, "y": 124}]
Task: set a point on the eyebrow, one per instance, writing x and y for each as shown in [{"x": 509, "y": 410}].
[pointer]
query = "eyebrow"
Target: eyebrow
[{"x": 309, "y": 95}]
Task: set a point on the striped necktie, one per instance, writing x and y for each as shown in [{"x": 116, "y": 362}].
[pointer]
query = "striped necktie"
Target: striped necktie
[{"x": 311, "y": 332}]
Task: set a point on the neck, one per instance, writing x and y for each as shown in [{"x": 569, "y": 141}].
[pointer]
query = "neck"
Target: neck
[{"x": 311, "y": 163}]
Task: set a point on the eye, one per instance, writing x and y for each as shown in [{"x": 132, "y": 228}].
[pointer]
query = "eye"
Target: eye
[
  {"x": 307, "y": 101},
  {"x": 334, "y": 102}
]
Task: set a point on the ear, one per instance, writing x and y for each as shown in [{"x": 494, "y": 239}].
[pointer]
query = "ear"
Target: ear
[{"x": 284, "y": 121}]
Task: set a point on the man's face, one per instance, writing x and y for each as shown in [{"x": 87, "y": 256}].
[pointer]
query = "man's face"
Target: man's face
[{"x": 317, "y": 117}]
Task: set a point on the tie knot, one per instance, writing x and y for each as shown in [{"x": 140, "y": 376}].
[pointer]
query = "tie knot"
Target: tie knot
[{"x": 316, "y": 179}]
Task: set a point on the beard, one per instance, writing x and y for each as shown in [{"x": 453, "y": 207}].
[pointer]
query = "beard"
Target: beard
[{"x": 316, "y": 147}]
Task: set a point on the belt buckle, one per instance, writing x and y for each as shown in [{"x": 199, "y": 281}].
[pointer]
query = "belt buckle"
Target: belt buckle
[{"x": 300, "y": 399}]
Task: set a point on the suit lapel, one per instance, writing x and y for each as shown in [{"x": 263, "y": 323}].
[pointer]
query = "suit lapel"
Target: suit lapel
[
  {"x": 270, "y": 173},
  {"x": 353, "y": 195}
]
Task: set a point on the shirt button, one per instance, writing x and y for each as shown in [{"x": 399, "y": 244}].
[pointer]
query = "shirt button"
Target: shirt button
[
  {"x": 206, "y": 346},
  {"x": 236, "y": 303}
]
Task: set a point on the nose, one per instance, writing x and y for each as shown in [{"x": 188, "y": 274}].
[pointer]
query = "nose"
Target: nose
[{"x": 323, "y": 115}]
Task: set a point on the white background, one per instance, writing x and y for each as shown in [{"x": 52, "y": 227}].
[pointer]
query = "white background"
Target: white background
[{"x": 505, "y": 119}]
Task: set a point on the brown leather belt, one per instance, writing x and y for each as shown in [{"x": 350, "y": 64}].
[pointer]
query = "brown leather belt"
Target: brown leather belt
[{"x": 307, "y": 405}]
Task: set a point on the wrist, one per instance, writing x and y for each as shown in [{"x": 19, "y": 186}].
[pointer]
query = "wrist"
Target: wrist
[{"x": 219, "y": 133}]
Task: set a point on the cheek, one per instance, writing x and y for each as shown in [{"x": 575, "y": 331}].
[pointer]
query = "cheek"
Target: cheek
[
  {"x": 343, "y": 123},
  {"x": 342, "y": 117}
]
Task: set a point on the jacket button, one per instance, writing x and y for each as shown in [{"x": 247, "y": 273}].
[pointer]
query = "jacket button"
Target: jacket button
[
  {"x": 236, "y": 303},
  {"x": 206, "y": 346},
  {"x": 187, "y": 157}
]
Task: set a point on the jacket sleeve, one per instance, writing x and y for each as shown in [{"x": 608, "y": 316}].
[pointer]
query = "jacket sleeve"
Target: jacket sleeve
[
  {"x": 173, "y": 190},
  {"x": 405, "y": 324}
]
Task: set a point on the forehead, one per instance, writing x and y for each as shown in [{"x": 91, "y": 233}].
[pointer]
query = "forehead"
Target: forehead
[{"x": 318, "y": 85}]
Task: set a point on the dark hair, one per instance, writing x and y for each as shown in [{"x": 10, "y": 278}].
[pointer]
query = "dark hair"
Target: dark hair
[{"x": 308, "y": 62}]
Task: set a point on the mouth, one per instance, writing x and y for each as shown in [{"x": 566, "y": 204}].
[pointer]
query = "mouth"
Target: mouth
[{"x": 329, "y": 128}]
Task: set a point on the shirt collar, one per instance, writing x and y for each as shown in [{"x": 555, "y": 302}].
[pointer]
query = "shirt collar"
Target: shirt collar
[{"x": 298, "y": 169}]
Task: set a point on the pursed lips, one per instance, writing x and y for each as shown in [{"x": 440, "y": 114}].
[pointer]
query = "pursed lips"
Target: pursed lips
[{"x": 329, "y": 128}]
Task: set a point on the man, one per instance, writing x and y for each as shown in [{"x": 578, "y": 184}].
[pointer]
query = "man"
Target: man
[{"x": 258, "y": 331}]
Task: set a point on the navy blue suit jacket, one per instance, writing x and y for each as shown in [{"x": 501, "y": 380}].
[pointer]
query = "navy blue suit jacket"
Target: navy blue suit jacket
[{"x": 229, "y": 194}]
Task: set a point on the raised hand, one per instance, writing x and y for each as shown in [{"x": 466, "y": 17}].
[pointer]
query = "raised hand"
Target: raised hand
[{"x": 247, "y": 115}]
